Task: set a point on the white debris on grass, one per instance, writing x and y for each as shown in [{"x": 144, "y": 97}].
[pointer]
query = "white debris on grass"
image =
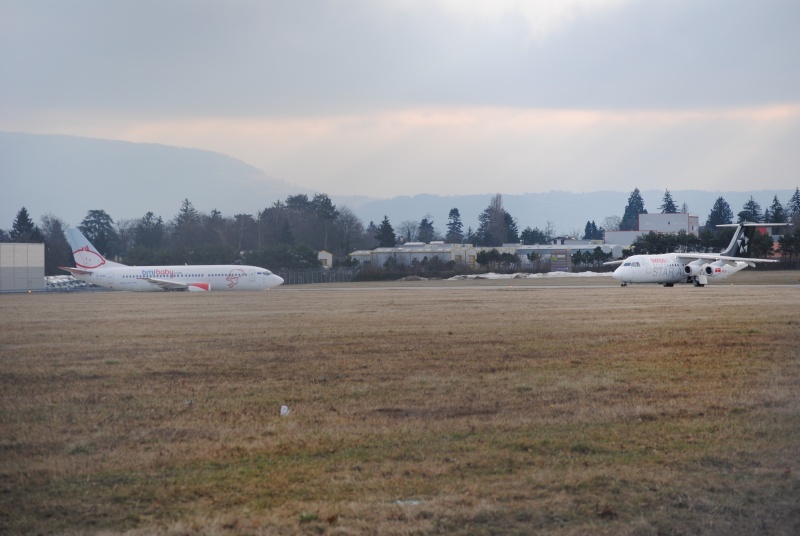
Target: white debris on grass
[{"x": 284, "y": 411}]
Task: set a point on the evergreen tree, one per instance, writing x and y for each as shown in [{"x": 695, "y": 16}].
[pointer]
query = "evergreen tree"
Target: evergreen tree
[
  {"x": 775, "y": 213},
  {"x": 793, "y": 207},
  {"x": 24, "y": 230},
  {"x": 470, "y": 236},
  {"x": 592, "y": 232},
  {"x": 531, "y": 237},
  {"x": 512, "y": 230},
  {"x": 298, "y": 202},
  {"x": 751, "y": 211},
  {"x": 371, "y": 235},
  {"x": 385, "y": 235},
  {"x": 630, "y": 220},
  {"x": 57, "y": 250},
  {"x": 493, "y": 228},
  {"x": 214, "y": 227},
  {"x": 425, "y": 232},
  {"x": 285, "y": 236},
  {"x": 720, "y": 214},
  {"x": 149, "y": 231},
  {"x": 186, "y": 225},
  {"x": 326, "y": 211},
  {"x": 455, "y": 230},
  {"x": 668, "y": 206},
  {"x": 98, "y": 228},
  {"x": 246, "y": 232},
  {"x": 588, "y": 232}
]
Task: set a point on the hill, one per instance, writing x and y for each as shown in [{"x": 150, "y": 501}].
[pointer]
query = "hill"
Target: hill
[{"x": 68, "y": 176}]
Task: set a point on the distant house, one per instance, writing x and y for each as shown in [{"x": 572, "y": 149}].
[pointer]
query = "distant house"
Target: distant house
[{"x": 325, "y": 259}]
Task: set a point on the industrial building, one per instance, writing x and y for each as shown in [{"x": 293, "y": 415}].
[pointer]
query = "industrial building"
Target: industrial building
[
  {"x": 410, "y": 252},
  {"x": 559, "y": 253},
  {"x": 659, "y": 223},
  {"x": 21, "y": 267}
]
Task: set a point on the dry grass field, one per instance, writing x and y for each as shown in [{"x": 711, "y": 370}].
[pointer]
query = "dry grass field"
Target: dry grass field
[{"x": 435, "y": 409}]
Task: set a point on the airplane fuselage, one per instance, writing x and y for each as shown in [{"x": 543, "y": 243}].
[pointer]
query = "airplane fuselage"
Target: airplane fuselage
[
  {"x": 195, "y": 278},
  {"x": 671, "y": 268}
]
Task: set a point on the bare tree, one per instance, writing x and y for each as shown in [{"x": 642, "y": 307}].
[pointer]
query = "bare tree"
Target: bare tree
[
  {"x": 408, "y": 229},
  {"x": 611, "y": 223},
  {"x": 349, "y": 229}
]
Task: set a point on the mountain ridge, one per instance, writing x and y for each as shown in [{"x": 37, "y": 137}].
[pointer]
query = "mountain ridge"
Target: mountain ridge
[{"x": 68, "y": 175}]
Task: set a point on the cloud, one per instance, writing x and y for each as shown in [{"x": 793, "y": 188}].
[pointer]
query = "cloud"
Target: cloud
[
  {"x": 183, "y": 58},
  {"x": 408, "y": 96},
  {"x": 541, "y": 18},
  {"x": 484, "y": 149}
]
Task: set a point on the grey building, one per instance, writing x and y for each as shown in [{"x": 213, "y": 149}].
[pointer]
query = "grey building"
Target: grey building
[{"x": 21, "y": 267}]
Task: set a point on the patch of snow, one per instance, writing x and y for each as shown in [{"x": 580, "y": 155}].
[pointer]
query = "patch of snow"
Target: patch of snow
[{"x": 549, "y": 275}]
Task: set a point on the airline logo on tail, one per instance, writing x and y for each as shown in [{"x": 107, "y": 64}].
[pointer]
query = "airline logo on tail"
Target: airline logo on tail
[
  {"x": 744, "y": 243},
  {"x": 88, "y": 259}
]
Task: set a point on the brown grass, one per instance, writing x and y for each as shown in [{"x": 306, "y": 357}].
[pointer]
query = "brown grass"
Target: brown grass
[{"x": 437, "y": 409}]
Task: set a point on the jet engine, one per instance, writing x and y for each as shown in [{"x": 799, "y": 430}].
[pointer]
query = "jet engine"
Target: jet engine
[
  {"x": 693, "y": 269},
  {"x": 708, "y": 269}
]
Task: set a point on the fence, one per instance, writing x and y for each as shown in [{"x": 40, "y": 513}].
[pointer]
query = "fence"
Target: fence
[{"x": 317, "y": 275}]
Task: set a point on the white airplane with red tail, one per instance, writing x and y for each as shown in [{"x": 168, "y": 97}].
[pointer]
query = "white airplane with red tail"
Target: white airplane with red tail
[
  {"x": 92, "y": 267},
  {"x": 696, "y": 268}
]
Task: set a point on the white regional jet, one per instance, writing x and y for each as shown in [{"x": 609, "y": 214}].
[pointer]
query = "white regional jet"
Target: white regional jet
[
  {"x": 697, "y": 268},
  {"x": 92, "y": 267}
]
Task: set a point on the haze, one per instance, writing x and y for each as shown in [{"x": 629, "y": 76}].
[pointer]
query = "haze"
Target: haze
[{"x": 400, "y": 97}]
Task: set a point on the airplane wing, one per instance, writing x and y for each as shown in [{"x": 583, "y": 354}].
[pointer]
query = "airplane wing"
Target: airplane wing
[
  {"x": 620, "y": 261},
  {"x": 713, "y": 257},
  {"x": 74, "y": 271},
  {"x": 169, "y": 284},
  {"x": 166, "y": 284}
]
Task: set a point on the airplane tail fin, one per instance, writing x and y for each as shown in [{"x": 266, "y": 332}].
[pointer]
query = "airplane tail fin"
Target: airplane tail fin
[{"x": 86, "y": 255}]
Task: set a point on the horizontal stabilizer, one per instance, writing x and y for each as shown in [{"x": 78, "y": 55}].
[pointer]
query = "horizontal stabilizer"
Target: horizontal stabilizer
[{"x": 74, "y": 271}]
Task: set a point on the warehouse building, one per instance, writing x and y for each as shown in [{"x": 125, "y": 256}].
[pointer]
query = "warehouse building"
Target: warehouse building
[
  {"x": 21, "y": 267},
  {"x": 559, "y": 253},
  {"x": 659, "y": 223},
  {"x": 410, "y": 252}
]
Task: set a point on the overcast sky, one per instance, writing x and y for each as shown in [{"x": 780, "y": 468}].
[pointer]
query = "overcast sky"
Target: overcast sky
[{"x": 400, "y": 97}]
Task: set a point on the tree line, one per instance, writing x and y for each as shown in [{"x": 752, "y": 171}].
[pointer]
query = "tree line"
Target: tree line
[{"x": 289, "y": 233}]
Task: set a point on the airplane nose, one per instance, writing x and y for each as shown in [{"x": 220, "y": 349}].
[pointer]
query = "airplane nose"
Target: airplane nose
[{"x": 276, "y": 280}]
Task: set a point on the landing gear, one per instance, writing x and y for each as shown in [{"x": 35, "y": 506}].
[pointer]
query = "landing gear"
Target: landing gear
[
  {"x": 669, "y": 284},
  {"x": 698, "y": 283},
  {"x": 624, "y": 285}
]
